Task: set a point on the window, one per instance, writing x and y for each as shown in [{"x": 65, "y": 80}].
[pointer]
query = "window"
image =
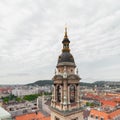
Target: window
[
  {"x": 91, "y": 116},
  {"x": 96, "y": 117},
  {"x": 56, "y": 118},
  {"x": 101, "y": 118},
  {"x": 58, "y": 93},
  {"x": 75, "y": 118},
  {"x": 72, "y": 93}
]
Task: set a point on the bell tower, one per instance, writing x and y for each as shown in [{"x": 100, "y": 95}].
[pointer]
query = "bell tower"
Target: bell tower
[{"x": 65, "y": 103}]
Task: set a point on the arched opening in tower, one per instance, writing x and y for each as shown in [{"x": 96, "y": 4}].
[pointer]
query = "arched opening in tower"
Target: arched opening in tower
[
  {"x": 58, "y": 93},
  {"x": 72, "y": 94}
]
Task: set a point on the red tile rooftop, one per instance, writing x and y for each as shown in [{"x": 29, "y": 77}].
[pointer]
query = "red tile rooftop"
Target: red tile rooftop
[
  {"x": 106, "y": 116},
  {"x": 31, "y": 116},
  {"x": 116, "y": 100},
  {"x": 108, "y": 103},
  {"x": 89, "y": 95},
  {"x": 115, "y": 113},
  {"x": 99, "y": 114}
]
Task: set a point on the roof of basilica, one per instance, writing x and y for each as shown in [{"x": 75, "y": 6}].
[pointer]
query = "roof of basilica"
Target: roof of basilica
[{"x": 66, "y": 57}]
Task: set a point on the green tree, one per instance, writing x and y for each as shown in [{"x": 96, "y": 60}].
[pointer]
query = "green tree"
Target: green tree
[
  {"x": 31, "y": 97},
  {"x": 18, "y": 99},
  {"x": 6, "y": 100},
  {"x": 87, "y": 104}
]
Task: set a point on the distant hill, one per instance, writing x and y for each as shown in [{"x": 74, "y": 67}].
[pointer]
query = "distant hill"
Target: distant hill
[
  {"x": 50, "y": 82},
  {"x": 98, "y": 83},
  {"x": 86, "y": 84},
  {"x": 41, "y": 83},
  {"x": 105, "y": 83}
]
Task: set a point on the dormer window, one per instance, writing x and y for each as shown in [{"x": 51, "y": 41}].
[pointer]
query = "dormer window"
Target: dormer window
[
  {"x": 96, "y": 117},
  {"x": 56, "y": 118},
  {"x": 91, "y": 116}
]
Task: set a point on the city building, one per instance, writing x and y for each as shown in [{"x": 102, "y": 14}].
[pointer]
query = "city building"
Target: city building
[
  {"x": 24, "y": 91},
  {"x": 16, "y": 109},
  {"x": 28, "y": 90},
  {"x": 5, "y": 90},
  {"x": 43, "y": 103},
  {"x": 108, "y": 104},
  {"x": 65, "y": 103},
  {"x": 103, "y": 115}
]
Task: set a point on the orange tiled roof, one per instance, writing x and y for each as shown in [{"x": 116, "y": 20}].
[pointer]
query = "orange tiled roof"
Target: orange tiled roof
[
  {"x": 99, "y": 114},
  {"x": 89, "y": 95},
  {"x": 31, "y": 116},
  {"x": 105, "y": 115},
  {"x": 115, "y": 113},
  {"x": 108, "y": 103},
  {"x": 114, "y": 94},
  {"x": 116, "y": 99}
]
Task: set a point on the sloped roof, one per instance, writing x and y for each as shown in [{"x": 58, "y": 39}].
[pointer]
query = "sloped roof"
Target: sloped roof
[
  {"x": 114, "y": 113},
  {"x": 116, "y": 99},
  {"x": 31, "y": 116},
  {"x": 99, "y": 113},
  {"x": 108, "y": 103},
  {"x": 105, "y": 115},
  {"x": 4, "y": 113}
]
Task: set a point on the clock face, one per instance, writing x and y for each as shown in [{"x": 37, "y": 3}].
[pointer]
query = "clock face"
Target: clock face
[{"x": 65, "y": 75}]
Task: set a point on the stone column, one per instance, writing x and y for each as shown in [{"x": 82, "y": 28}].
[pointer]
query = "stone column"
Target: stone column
[
  {"x": 78, "y": 95},
  {"x": 65, "y": 96},
  {"x": 69, "y": 106},
  {"x": 54, "y": 93},
  {"x": 61, "y": 94},
  {"x": 61, "y": 103},
  {"x": 68, "y": 94}
]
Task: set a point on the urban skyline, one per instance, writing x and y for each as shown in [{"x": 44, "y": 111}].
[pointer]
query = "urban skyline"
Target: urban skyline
[{"x": 31, "y": 33}]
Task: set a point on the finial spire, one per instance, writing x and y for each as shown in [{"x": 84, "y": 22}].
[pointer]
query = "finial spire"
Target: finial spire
[{"x": 65, "y": 32}]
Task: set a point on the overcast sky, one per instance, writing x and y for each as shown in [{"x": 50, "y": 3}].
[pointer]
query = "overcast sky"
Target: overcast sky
[{"x": 31, "y": 32}]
